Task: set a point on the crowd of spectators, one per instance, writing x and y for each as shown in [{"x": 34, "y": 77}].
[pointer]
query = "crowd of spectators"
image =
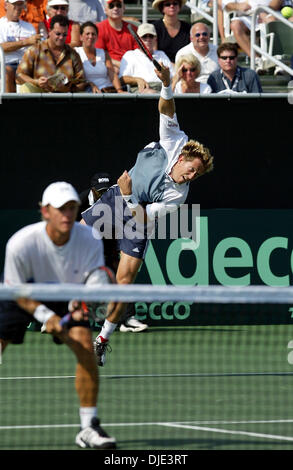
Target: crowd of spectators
[{"x": 86, "y": 46}]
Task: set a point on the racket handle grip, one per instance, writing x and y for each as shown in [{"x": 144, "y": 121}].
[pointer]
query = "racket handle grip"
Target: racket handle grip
[
  {"x": 157, "y": 65},
  {"x": 65, "y": 320}
]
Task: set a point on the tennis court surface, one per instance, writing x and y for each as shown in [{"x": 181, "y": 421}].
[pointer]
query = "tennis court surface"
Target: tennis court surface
[{"x": 188, "y": 388}]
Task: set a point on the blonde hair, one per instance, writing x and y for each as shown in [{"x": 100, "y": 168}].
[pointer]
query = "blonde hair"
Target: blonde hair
[
  {"x": 193, "y": 149},
  {"x": 190, "y": 59}
]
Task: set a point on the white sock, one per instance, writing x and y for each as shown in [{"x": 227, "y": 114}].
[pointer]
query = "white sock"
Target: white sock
[
  {"x": 86, "y": 414},
  {"x": 107, "y": 329}
]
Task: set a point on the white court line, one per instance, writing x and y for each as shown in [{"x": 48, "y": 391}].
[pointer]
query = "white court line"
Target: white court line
[
  {"x": 226, "y": 431},
  {"x": 39, "y": 377},
  {"x": 149, "y": 423},
  {"x": 168, "y": 424}
]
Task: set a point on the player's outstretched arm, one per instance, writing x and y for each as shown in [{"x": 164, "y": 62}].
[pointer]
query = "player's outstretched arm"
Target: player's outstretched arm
[{"x": 166, "y": 101}]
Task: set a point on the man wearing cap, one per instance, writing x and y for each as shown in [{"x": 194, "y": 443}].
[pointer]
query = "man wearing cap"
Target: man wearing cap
[
  {"x": 57, "y": 250},
  {"x": 52, "y": 65},
  {"x": 114, "y": 36},
  {"x": 61, "y": 7},
  {"x": 137, "y": 70},
  {"x": 201, "y": 47},
  {"x": 15, "y": 36}
]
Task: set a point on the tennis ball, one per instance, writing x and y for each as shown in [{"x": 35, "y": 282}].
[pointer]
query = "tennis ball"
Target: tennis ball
[{"x": 287, "y": 12}]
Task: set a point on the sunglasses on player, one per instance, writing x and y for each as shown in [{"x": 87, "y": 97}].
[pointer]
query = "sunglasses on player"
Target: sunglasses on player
[{"x": 115, "y": 4}]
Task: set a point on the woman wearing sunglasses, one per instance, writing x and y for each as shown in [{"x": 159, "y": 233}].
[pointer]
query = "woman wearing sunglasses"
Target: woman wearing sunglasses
[
  {"x": 60, "y": 7},
  {"x": 172, "y": 33},
  {"x": 187, "y": 71}
]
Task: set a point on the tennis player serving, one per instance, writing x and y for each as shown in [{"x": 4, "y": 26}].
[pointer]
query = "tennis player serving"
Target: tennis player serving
[
  {"x": 158, "y": 183},
  {"x": 58, "y": 250}
]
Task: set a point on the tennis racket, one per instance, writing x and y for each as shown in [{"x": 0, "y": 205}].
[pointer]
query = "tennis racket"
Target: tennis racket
[
  {"x": 92, "y": 311},
  {"x": 144, "y": 48}
]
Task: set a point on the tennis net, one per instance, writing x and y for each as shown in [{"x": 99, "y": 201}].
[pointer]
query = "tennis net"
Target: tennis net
[{"x": 196, "y": 386}]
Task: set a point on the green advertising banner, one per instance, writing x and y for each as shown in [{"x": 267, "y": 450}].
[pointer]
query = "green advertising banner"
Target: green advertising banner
[
  {"x": 236, "y": 248},
  {"x": 232, "y": 248}
]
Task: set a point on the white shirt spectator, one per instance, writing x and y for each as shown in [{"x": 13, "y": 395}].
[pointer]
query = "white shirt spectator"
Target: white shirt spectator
[
  {"x": 203, "y": 89},
  {"x": 11, "y": 31},
  {"x": 136, "y": 64},
  {"x": 98, "y": 74},
  {"x": 209, "y": 63}
]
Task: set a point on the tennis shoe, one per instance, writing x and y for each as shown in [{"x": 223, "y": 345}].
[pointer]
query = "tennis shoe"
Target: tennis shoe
[
  {"x": 95, "y": 437},
  {"x": 101, "y": 346},
  {"x": 132, "y": 324}
]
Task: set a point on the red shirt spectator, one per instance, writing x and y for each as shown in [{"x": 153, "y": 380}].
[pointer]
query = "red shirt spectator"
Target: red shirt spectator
[{"x": 114, "y": 41}]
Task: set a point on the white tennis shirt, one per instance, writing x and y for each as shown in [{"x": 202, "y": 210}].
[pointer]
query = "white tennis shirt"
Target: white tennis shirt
[
  {"x": 11, "y": 31},
  {"x": 31, "y": 256},
  {"x": 172, "y": 139}
]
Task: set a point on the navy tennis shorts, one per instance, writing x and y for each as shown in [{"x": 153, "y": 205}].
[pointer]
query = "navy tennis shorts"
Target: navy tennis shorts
[{"x": 14, "y": 321}]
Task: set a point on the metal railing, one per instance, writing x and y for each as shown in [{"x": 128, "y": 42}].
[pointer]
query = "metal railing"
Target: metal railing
[{"x": 255, "y": 48}]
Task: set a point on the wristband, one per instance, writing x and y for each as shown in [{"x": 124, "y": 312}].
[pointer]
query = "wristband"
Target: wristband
[
  {"x": 43, "y": 313},
  {"x": 131, "y": 201},
  {"x": 166, "y": 92}
]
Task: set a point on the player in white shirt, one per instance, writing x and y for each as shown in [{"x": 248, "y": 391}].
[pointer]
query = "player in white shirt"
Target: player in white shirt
[
  {"x": 57, "y": 250},
  {"x": 15, "y": 36},
  {"x": 137, "y": 70},
  {"x": 158, "y": 183}
]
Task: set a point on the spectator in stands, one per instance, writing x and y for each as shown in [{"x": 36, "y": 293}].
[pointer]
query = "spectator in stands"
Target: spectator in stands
[
  {"x": 241, "y": 23},
  {"x": 97, "y": 63},
  {"x": 137, "y": 70},
  {"x": 231, "y": 78},
  {"x": 15, "y": 36},
  {"x": 185, "y": 79},
  {"x": 113, "y": 35},
  {"x": 52, "y": 65},
  {"x": 172, "y": 33},
  {"x": 204, "y": 51},
  {"x": 34, "y": 12},
  {"x": 60, "y": 7},
  {"x": 82, "y": 11}
]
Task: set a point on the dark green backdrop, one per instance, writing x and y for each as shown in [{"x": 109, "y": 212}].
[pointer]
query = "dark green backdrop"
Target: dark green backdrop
[{"x": 247, "y": 196}]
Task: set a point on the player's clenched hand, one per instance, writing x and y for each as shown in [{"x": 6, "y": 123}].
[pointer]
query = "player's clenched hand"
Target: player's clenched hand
[
  {"x": 164, "y": 75},
  {"x": 53, "y": 325},
  {"x": 125, "y": 184}
]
